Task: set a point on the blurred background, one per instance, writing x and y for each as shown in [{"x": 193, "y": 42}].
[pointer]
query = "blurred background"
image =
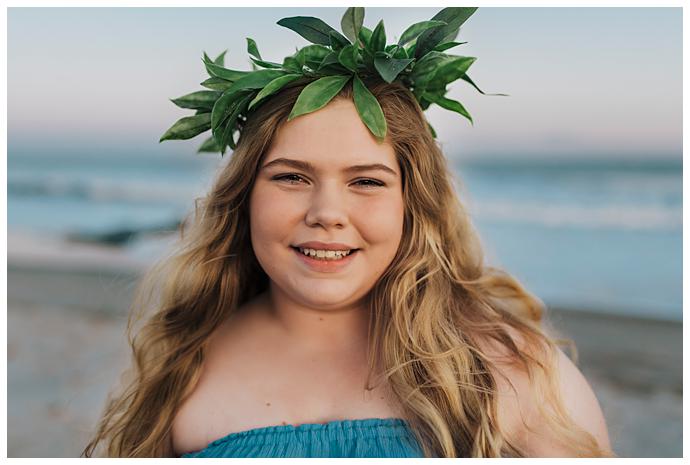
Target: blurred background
[{"x": 574, "y": 182}]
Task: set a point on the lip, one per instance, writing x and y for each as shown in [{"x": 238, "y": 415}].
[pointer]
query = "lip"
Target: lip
[
  {"x": 325, "y": 266},
  {"x": 324, "y": 245}
]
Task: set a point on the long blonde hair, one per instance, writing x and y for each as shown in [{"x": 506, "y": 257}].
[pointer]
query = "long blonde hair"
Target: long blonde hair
[{"x": 431, "y": 309}]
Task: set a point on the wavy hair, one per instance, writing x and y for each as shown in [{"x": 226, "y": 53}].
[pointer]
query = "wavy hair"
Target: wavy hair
[{"x": 433, "y": 309}]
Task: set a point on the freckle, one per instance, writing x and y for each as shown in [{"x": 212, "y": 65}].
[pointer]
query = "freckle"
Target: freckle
[
  {"x": 284, "y": 423},
  {"x": 320, "y": 319},
  {"x": 268, "y": 404},
  {"x": 381, "y": 397}
]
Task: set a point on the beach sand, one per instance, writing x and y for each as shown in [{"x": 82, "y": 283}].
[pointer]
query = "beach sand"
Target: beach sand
[{"x": 66, "y": 348}]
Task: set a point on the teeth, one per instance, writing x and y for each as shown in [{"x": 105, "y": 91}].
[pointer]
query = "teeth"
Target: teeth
[{"x": 325, "y": 254}]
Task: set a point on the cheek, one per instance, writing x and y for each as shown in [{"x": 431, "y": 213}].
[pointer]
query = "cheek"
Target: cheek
[
  {"x": 380, "y": 221},
  {"x": 268, "y": 215}
]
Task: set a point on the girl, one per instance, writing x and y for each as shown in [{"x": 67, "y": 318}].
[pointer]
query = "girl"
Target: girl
[{"x": 329, "y": 298}]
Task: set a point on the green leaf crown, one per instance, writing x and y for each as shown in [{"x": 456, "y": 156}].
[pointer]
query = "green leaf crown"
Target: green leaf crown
[{"x": 417, "y": 60}]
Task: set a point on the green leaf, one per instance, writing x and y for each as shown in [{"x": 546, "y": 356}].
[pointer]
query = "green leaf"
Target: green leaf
[
  {"x": 337, "y": 42},
  {"x": 272, "y": 87},
  {"x": 215, "y": 70},
  {"x": 224, "y": 137},
  {"x": 389, "y": 68},
  {"x": 423, "y": 70},
  {"x": 220, "y": 59},
  {"x": 448, "y": 104},
  {"x": 369, "y": 109},
  {"x": 221, "y": 110},
  {"x": 467, "y": 79},
  {"x": 252, "y": 49},
  {"x": 311, "y": 56},
  {"x": 445, "y": 46},
  {"x": 188, "y": 127},
  {"x": 352, "y": 22},
  {"x": 209, "y": 145},
  {"x": 255, "y": 80},
  {"x": 216, "y": 83},
  {"x": 377, "y": 43},
  {"x": 330, "y": 59},
  {"x": 365, "y": 36},
  {"x": 413, "y": 31},
  {"x": 450, "y": 70},
  {"x": 202, "y": 99},
  {"x": 317, "y": 94},
  {"x": 455, "y": 17},
  {"x": 292, "y": 65},
  {"x": 312, "y": 29},
  {"x": 266, "y": 64},
  {"x": 348, "y": 57}
]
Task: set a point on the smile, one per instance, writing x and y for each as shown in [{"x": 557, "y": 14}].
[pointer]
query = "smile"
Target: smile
[{"x": 325, "y": 261}]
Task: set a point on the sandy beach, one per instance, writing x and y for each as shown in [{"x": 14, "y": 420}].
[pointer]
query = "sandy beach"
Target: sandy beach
[{"x": 66, "y": 348}]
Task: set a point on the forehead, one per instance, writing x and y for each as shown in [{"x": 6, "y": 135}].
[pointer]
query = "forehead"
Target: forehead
[{"x": 332, "y": 136}]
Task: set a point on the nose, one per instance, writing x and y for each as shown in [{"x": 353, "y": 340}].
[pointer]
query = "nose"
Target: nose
[{"x": 327, "y": 208}]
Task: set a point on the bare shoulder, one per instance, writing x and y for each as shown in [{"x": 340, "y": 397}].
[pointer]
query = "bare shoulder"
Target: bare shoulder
[
  {"x": 211, "y": 408},
  {"x": 518, "y": 411}
]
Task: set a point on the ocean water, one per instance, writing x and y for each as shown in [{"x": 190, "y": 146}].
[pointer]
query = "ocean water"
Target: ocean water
[{"x": 600, "y": 235}]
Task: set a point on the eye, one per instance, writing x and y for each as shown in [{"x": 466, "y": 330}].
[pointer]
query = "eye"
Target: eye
[
  {"x": 370, "y": 183},
  {"x": 290, "y": 178}
]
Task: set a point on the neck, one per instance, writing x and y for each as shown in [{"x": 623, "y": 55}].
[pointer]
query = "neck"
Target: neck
[{"x": 325, "y": 330}]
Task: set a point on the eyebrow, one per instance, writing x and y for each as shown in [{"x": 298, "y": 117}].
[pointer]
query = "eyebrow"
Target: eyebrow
[{"x": 306, "y": 166}]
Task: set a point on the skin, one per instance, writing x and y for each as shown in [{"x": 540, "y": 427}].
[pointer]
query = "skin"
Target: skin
[{"x": 322, "y": 310}]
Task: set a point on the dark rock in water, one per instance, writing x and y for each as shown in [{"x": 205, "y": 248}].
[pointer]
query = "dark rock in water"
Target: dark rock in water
[{"x": 121, "y": 237}]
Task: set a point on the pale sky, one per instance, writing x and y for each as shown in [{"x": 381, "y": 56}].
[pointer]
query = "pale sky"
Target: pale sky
[{"x": 582, "y": 81}]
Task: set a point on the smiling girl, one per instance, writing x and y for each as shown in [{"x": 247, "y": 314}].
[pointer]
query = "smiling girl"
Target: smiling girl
[{"x": 329, "y": 299}]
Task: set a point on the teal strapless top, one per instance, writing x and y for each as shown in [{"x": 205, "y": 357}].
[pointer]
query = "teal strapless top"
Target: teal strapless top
[{"x": 370, "y": 437}]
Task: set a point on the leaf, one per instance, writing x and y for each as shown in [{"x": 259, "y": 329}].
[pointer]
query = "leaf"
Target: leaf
[
  {"x": 448, "y": 104},
  {"x": 365, "y": 36},
  {"x": 413, "y": 31},
  {"x": 215, "y": 70},
  {"x": 224, "y": 107},
  {"x": 377, "y": 42},
  {"x": 226, "y": 134},
  {"x": 331, "y": 58},
  {"x": 292, "y": 65},
  {"x": 266, "y": 64},
  {"x": 467, "y": 79},
  {"x": 445, "y": 46},
  {"x": 369, "y": 109},
  {"x": 336, "y": 40},
  {"x": 348, "y": 57},
  {"x": 311, "y": 55},
  {"x": 255, "y": 80},
  {"x": 455, "y": 17},
  {"x": 202, "y": 99},
  {"x": 312, "y": 29},
  {"x": 252, "y": 49},
  {"x": 216, "y": 83},
  {"x": 317, "y": 94},
  {"x": 389, "y": 68},
  {"x": 273, "y": 86},
  {"x": 209, "y": 145},
  {"x": 450, "y": 70},
  {"x": 352, "y": 22},
  {"x": 424, "y": 69},
  {"x": 220, "y": 59},
  {"x": 188, "y": 127}
]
